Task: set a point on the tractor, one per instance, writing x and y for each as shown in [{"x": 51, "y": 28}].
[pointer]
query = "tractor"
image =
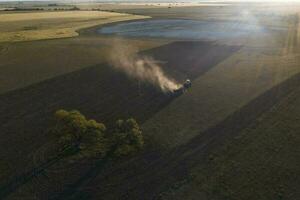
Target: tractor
[{"x": 186, "y": 85}]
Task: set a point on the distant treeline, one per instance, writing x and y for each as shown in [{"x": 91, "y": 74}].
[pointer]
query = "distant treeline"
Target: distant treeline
[
  {"x": 40, "y": 9},
  {"x": 55, "y": 7},
  {"x": 22, "y": 9}
]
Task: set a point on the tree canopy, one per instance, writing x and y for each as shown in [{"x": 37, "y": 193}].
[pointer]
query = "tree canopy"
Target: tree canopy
[
  {"x": 128, "y": 137},
  {"x": 92, "y": 139},
  {"x": 86, "y": 136}
]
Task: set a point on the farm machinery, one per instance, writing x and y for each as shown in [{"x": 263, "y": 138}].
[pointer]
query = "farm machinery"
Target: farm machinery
[{"x": 185, "y": 86}]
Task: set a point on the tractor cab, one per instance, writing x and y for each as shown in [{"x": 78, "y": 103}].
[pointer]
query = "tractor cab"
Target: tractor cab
[{"x": 186, "y": 85}]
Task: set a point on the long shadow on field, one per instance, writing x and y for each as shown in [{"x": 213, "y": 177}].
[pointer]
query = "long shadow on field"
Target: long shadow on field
[
  {"x": 99, "y": 92},
  {"x": 189, "y": 59},
  {"x": 18, "y": 181},
  {"x": 146, "y": 178}
]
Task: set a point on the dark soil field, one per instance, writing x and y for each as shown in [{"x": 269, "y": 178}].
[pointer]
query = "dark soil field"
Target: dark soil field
[
  {"x": 263, "y": 157},
  {"x": 175, "y": 166},
  {"x": 191, "y": 63},
  {"x": 100, "y": 92},
  {"x": 175, "y": 169},
  {"x": 25, "y": 63},
  {"x": 233, "y": 135}
]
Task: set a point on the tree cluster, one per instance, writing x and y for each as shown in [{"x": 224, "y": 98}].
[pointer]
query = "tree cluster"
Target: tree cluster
[{"x": 92, "y": 139}]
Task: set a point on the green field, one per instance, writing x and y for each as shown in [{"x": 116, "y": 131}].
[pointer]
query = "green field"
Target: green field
[{"x": 233, "y": 135}]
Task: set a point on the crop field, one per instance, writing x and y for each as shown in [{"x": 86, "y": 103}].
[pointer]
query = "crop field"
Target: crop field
[{"x": 233, "y": 135}]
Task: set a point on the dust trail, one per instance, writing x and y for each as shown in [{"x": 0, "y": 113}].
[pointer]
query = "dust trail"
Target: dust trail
[{"x": 143, "y": 68}]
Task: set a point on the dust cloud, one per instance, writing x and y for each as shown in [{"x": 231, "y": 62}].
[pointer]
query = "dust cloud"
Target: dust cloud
[{"x": 144, "y": 68}]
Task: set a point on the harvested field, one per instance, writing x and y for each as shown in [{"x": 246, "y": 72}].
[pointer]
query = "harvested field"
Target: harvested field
[{"x": 17, "y": 27}]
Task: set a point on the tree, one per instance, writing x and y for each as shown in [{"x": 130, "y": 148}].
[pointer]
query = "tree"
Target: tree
[
  {"x": 76, "y": 132},
  {"x": 128, "y": 137}
]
